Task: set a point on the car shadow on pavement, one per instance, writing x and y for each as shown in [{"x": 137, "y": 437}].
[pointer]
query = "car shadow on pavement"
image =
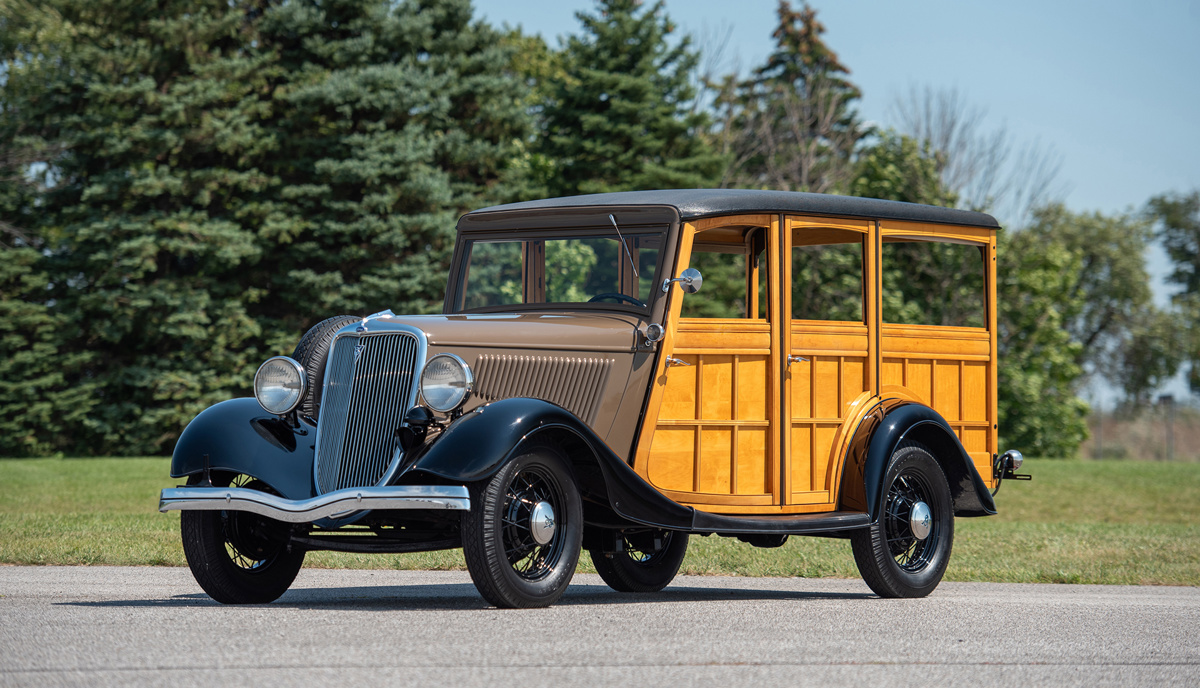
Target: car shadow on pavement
[{"x": 464, "y": 596}]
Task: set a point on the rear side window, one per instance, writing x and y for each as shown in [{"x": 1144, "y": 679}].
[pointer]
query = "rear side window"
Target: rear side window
[
  {"x": 827, "y": 275},
  {"x": 933, "y": 283}
]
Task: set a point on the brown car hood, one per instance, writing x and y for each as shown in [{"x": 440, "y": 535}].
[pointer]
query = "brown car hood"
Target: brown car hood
[{"x": 560, "y": 331}]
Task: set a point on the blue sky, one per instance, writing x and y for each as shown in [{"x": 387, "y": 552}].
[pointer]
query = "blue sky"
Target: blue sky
[{"x": 1112, "y": 86}]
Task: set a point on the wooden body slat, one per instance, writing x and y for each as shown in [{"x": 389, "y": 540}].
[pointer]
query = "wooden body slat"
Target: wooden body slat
[{"x": 742, "y": 431}]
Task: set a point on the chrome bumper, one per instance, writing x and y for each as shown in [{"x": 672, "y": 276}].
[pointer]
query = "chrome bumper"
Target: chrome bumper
[{"x": 334, "y": 503}]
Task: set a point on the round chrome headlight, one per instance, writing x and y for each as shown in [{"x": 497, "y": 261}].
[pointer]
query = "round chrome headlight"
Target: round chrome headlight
[
  {"x": 280, "y": 385},
  {"x": 446, "y": 383}
]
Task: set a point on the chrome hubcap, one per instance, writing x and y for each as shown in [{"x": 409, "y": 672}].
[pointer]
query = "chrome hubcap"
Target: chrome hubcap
[
  {"x": 921, "y": 520},
  {"x": 541, "y": 523}
]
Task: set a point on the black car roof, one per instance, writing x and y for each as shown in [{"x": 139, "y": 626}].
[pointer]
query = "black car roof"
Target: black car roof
[{"x": 697, "y": 203}]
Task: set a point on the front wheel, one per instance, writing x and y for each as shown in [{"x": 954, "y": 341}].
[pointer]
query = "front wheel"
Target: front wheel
[
  {"x": 522, "y": 536},
  {"x": 238, "y": 557},
  {"x": 647, "y": 561},
  {"x": 904, "y": 554}
]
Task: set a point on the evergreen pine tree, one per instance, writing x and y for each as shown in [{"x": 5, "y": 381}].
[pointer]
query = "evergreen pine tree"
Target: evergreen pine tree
[
  {"x": 793, "y": 125},
  {"x": 219, "y": 175},
  {"x": 621, "y": 119}
]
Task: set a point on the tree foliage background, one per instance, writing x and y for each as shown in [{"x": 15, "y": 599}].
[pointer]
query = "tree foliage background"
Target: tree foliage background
[{"x": 186, "y": 186}]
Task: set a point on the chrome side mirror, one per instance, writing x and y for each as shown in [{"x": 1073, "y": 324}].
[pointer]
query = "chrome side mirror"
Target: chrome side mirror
[{"x": 691, "y": 280}]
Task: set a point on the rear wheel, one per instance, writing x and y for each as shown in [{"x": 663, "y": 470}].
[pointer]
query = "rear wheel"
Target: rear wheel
[
  {"x": 647, "y": 561},
  {"x": 238, "y": 557},
  {"x": 906, "y": 552},
  {"x": 522, "y": 536}
]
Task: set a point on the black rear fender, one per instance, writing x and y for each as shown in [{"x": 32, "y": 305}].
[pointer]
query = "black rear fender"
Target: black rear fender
[{"x": 891, "y": 422}]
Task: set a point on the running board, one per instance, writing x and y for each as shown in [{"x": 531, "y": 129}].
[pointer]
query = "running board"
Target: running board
[{"x": 786, "y": 524}]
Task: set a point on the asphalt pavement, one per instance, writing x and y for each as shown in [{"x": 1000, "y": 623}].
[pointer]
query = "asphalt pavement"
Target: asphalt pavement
[{"x": 101, "y": 626}]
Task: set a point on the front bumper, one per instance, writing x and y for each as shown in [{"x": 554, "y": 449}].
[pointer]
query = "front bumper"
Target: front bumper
[{"x": 330, "y": 504}]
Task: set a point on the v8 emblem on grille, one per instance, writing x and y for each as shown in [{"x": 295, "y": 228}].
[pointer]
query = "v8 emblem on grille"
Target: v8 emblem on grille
[{"x": 358, "y": 349}]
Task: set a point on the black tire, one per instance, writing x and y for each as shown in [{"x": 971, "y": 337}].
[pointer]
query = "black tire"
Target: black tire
[
  {"x": 891, "y": 559},
  {"x": 640, "y": 566},
  {"x": 507, "y": 564},
  {"x": 311, "y": 353},
  {"x": 238, "y": 557}
]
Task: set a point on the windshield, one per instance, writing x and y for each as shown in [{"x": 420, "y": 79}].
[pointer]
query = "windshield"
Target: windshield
[{"x": 594, "y": 268}]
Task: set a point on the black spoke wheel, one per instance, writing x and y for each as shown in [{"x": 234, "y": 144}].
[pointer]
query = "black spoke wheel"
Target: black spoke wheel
[
  {"x": 522, "y": 536},
  {"x": 238, "y": 557},
  {"x": 647, "y": 561},
  {"x": 905, "y": 553}
]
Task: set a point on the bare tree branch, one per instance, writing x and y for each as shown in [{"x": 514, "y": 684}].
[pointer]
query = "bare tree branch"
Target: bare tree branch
[{"x": 987, "y": 169}]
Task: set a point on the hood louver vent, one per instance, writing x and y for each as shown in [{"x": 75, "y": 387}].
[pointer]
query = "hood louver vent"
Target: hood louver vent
[{"x": 575, "y": 384}]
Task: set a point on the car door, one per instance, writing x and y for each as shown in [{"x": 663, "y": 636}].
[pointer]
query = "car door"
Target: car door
[
  {"x": 828, "y": 309},
  {"x": 711, "y": 435}
]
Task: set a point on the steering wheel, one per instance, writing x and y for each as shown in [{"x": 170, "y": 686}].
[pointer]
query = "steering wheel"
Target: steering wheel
[{"x": 617, "y": 297}]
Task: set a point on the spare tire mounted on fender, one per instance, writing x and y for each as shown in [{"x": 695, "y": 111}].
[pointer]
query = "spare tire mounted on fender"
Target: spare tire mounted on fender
[{"x": 311, "y": 353}]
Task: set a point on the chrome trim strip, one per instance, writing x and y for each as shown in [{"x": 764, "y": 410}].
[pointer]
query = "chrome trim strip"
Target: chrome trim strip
[{"x": 438, "y": 497}]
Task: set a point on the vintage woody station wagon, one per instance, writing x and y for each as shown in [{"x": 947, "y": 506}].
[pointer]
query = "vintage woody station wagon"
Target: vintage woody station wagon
[{"x": 581, "y": 389}]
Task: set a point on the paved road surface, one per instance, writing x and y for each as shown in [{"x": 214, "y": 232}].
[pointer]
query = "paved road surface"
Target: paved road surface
[{"x": 99, "y": 626}]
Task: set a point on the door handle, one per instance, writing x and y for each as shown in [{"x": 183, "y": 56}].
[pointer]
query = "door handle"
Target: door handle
[
  {"x": 676, "y": 362},
  {"x": 793, "y": 359}
]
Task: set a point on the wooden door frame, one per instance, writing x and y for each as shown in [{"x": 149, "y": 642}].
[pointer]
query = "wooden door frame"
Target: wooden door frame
[{"x": 871, "y": 284}]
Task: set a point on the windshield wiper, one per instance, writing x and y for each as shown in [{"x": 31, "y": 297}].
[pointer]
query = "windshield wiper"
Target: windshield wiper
[{"x": 627, "y": 253}]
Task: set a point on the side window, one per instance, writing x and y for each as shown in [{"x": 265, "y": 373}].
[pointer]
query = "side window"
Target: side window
[
  {"x": 734, "y": 264},
  {"x": 827, "y": 275},
  {"x": 933, "y": 283},
  {"x": 495, "y": 274}
]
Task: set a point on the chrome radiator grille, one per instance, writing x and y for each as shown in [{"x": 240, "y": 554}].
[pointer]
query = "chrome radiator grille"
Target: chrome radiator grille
[{"x": 368, "y": 387}]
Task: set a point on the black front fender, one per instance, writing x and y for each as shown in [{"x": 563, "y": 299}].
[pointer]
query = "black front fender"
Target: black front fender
[
  {"x": 238, "y": 436},
  {"x": 882, "y": 430},
  {"x": 474, "y": 447}
]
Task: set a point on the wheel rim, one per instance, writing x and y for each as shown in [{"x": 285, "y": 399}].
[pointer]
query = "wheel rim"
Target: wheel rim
[
  {"x": 533, "y": 546},
  {"x": 246, "y": 542},
  {"x": 911, "y": 552},
  {"x": 641, "y": 550}
]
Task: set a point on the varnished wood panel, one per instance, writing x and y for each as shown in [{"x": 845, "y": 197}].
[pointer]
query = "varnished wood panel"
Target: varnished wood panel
[
  {"x": 895, "y": 229},
  {"x": 679, "y": 397},
  {"x": 975, "y": 391},
  {"x": 826, "y": 386},
  {"x": 673, "y": 450},
  {"x": 946, "y": 390},
  {"x": 716, "y": 387},
  {"x": 800, "y": 457},
  {"x": 752, "y": 476},
  {"x": 716, "y": 460}
]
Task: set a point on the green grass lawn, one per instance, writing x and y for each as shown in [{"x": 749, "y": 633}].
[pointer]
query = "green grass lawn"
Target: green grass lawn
[{"x": 1076, "y": 522}]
